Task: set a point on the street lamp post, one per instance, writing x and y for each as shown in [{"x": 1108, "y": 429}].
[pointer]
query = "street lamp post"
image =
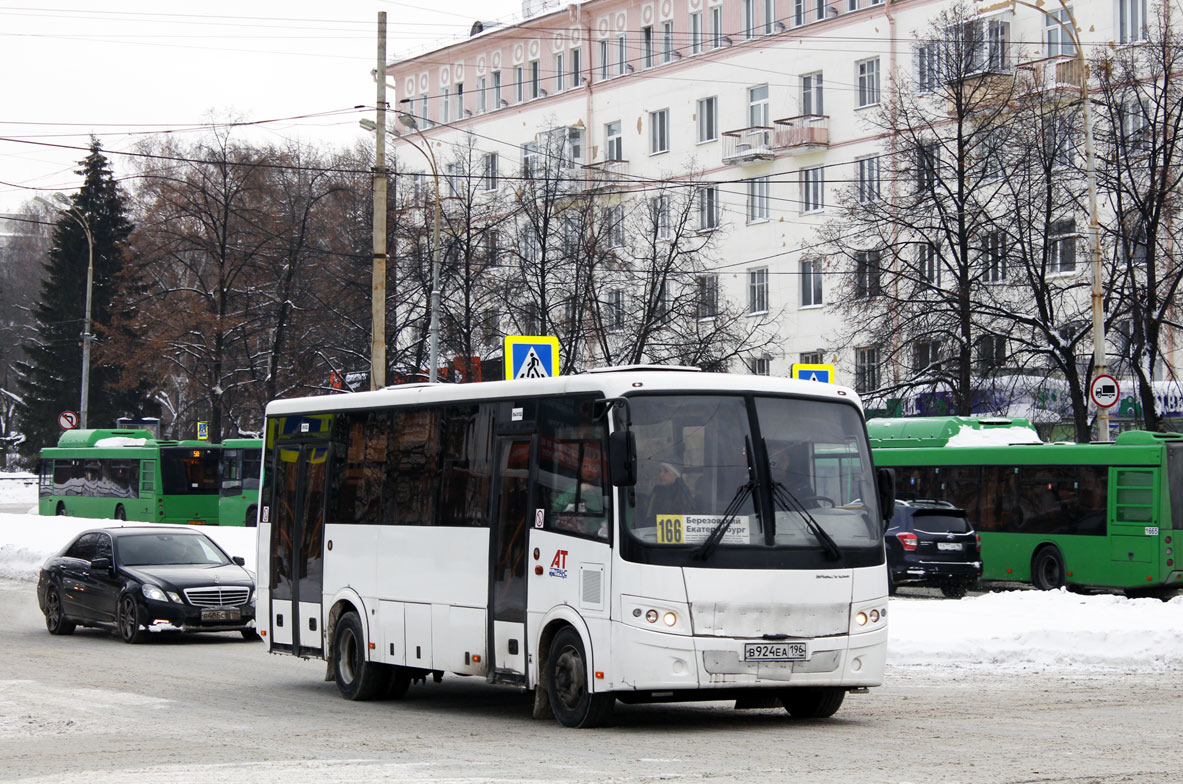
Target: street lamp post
[
  {"x": 1069, "y": 27},
  {"x": 64, "y": 205}
]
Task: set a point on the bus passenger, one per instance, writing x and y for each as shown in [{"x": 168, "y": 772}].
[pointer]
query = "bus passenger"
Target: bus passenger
[{"x": 670, "y": 496}]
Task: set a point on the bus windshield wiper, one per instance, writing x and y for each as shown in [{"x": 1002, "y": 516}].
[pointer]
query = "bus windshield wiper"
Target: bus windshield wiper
[
  {"x": 790, "y": 503},
  {"x": 709, "y": 544}
]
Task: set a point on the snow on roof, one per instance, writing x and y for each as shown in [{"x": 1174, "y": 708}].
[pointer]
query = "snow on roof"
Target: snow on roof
[
  {"x": 994, "y": 436},
  {"x": 121, "y": 441}
]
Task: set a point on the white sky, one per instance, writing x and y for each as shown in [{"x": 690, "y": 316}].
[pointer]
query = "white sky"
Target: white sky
[
  {"x": 1014, "y": 631},
  {"x": 121, "y": 68}
]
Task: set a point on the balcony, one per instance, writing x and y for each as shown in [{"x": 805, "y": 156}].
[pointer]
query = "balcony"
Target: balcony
[
  {"x": 1056, "y": 75},
  {"x": 748, "y": 145},
  {"x": 803, "y": 133},
  {"x": 604, "y": 175}
]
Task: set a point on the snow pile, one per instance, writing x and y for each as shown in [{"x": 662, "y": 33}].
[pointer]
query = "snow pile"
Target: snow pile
[
  {"x": 18, "y": 489},
  {"x": 120, "y": 441},
  {"x": 994, "y": 436},
  {"x": 1035, "y": 631}
]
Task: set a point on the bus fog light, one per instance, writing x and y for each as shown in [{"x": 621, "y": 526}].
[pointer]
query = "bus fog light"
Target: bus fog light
[
  {"x": 651, "y": 616},
  {"x": 670, "y": 618},
  {"x": 861, "y": 619}
]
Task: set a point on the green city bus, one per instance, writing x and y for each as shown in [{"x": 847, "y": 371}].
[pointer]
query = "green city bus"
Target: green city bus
[
  {"x": 1099, "y": 515},
  {"x": 129, "y": 475},
  {"x": 242, "y": 462}
]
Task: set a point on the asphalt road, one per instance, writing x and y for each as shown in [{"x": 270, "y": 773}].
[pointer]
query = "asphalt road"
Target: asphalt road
[{"x": 88, "y": 708}]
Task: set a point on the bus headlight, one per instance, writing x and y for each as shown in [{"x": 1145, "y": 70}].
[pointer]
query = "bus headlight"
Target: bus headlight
[
  {"x": 868, "y": 616},
  {"x": 651, "y": 616},
  {"x": 670, "y": 619}
]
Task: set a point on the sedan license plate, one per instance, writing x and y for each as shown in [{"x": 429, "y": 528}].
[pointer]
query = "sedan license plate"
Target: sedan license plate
[
  {"x": 221, "y": 615},
  {"x": 948, "y": 545},
  {"x": 775, "y": 651}
]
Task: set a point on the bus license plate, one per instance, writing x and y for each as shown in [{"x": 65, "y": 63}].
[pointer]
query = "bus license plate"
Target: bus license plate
[
  {"x": 948, "y": 545},
  {"x": 221, "y": 615},
  {"x": 775, "y": 651}
]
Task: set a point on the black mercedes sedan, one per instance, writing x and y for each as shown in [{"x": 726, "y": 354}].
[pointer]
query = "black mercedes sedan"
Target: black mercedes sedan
[{"x": 139, "y": 579}]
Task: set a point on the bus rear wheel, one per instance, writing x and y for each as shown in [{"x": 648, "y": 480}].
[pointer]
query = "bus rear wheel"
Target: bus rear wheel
[
  {"x": 120, "y": 512},
  {"x": 813, "y": 702},
  {"x": 357, "y": 679},
  {"x": 1047, "y": 569},
  {"x": 61, "y": 509},
  {"x": 571, "y": 698},
  {"x": 252, "y": 517}
]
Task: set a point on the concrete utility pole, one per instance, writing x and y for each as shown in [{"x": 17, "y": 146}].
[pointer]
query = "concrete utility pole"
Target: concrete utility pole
[{"x": 378, "y": 281}]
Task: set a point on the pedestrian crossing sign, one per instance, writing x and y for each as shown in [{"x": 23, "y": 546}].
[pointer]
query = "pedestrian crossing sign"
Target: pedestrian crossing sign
[
  {"x": 531, "y": 356},
  {"x": 822, "y": 373}
]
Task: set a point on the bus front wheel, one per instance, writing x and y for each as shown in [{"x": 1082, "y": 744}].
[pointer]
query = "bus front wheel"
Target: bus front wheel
[
  {"x": 813, "y": 702},
  {"x": 1047, "y": 569},
  {"x": 120, "y": 512},
  {"x": 61, "y": 509},
  {"x": 357, "y": 679},
  {"x": 571, "y": 698},
  {"x": 252, "y": 517}
]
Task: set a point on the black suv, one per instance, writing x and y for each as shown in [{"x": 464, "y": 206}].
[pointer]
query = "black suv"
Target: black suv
[{"x": 931, "y": 543}]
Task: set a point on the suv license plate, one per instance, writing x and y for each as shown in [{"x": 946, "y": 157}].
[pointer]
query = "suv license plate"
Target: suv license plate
[
  {"x": 775, "y": 651},
  {"x": 948, "y": 545},
  {"x": 221, "y": 615}
]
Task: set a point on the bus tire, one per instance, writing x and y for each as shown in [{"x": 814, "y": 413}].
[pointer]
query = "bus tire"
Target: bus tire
[
  {"x": 61, "y": 509},
  {"x": 357, "y": 679},
  {"x": 567, "y": 686},
  {"x": 1047, "y": 569},
  {"x": 55, "y": 616},
  {"x": 252, "y": 517},
  {"x": 813, "y": 702},
  {"x": 120, "y": 512},
  {"x": 398, "y": 681}
]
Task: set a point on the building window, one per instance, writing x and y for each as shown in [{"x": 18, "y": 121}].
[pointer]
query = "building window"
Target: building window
[
  {"x": 866, "y": 369},
  {"x": 560, "y": 73},
  {"x": 647, "y": 46},
  {"x": 492, "y": 246},
  {"x": 708, "y": 207},
  {"x": 758, "y": 290},
  {"x": 605, "y": 61},
  {"x": 716, "y": 31},
  {"x": 482, "y": 96},
  {"x": 495, "y": 98},
  {"x": 621, "y": 55},
  {"x": 614, "y": 318},
  {"x": 868, "y": 275},
  {"x": 758, "y": 106},
  {"x": 812, "y": 357},
  {"x": 811, "y": 283},
  {"x": 489, "y": 171},
  {"x": 747, "y": 10},
  {"x": 696, "y": 44},
  {"x": 760, "y": 366},
  {"x": 424, "y": 110},
  {"x": 811, "y": 94},
  {"x": 531, "y": 160},
  {"x": 706, "y": 300},
  {"x": 813, "y": 183},
  {"x": 867, "y": 170},
  {"x": 708, "y": 119},
  {"x": 659, "y": 131},
  {"x": 659, "y": 207},
  {"x": 614, "y": 142},
  {"x": 868, "y": 82},
  {"x": 1062, "y": 247},
  {"x": 446, "y": 107},
  {"x": 926, "y": 355},
  {"x": 519, "y": 79},
  {"x": 576, "y": 67},
  {"x": 758, "y": 192},
  {"x": 994, "y": 257},
  {"x": 852, "y": 5},
  {"x": 614, "y": 220},
  {"x": 991, "y": 352},
  {"x": 1131, "y": 21},
  {"x": 667, "y": 41},
  {"x": 927, "y": 67},
  {"x": 769, "y": 16},
  {"x": 1059, "y": 42},
  {"x": 927, "y": 264},
  {"x": 535, "y": 79},
  {"x": 927, "y": 160}
]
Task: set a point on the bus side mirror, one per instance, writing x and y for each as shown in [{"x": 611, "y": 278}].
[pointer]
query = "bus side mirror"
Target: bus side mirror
[
  {"x": 622, "y": 458},
  {"x": 885, "y": 483}
]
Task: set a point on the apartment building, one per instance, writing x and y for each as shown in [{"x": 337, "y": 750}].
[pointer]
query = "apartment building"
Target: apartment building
[{"x": 769, "y": 102}]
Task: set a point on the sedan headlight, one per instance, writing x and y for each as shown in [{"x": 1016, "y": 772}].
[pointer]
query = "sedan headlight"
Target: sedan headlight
[{"x": 154, "y": 593}]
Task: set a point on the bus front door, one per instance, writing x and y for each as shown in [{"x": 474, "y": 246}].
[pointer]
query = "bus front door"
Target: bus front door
[
  {"x": 297, "y": 541},
  {"x": 507, "y": 580}
]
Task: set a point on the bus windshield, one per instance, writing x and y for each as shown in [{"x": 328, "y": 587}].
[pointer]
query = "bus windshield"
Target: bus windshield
[
  {"x": 752, "y": 471},
  {"x": 188, "y": 471}
]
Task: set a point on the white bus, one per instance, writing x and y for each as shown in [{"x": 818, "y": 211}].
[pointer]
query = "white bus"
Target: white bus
[{"x": 632, "y": 534}]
